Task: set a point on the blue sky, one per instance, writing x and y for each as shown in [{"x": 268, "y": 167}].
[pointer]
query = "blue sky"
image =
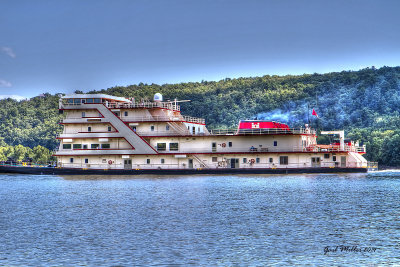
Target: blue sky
[{"x": 66, "y": 45}]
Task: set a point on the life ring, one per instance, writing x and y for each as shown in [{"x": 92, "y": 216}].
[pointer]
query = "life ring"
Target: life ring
[
  {"x": 223, "y": 145},
  {"x": 219, "y": 164},
  {"x": 252, "y": 161},
  {"x": 110, "y": 162}
]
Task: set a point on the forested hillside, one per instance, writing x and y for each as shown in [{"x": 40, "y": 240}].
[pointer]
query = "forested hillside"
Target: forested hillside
[{"x": 365, "y": 103}]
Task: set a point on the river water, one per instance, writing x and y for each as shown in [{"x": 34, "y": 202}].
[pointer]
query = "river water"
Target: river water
[{"x": 319, "y": 219}]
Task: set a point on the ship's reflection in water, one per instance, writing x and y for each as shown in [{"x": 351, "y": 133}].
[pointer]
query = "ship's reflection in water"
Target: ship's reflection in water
[{"x": 247, "y": 220}]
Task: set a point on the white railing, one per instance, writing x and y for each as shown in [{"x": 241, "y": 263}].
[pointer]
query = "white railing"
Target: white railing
[
  {"x": 145, "y": 104},
  {"x": 163, "y": 118},
  {"x": 167, "y": 133},
  {"x": 262, "y": 131},
  {"x": 210, "y": 165}
]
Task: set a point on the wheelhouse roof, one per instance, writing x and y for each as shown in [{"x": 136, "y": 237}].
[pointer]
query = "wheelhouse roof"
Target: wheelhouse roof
[{"x": 103, "y": 96}]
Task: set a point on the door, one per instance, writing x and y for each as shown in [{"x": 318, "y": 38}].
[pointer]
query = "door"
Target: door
[
  {"x": 315, "y": 162},
  {"x": 213, "y": 146},
  {"x": 234, "y": 163},
  {"x": 127, "y": 164},
  {"x": 343, "y": 161},
  {"x": 190, "y": 163}
]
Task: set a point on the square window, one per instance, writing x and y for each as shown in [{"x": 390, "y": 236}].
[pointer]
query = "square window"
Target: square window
[
  {"x": 71, "y": 160},
  {"x": 94, "y": 146},
  {"x": 162, "y": 161},
  {"x": 77, "y": 146},
  {"x": 214, "y": 159},
  {"x": 104, "y": 161},
  {"x": 83, "y": 114},
  {"x": 86, "y": 161},
  {"x": 257, "y": 160},
  {"x": 271, "y": 160},
  {"x": 167, "y": 128},
  {"x": 148, "y": 161},
  {"x": 283, "y": 160},
  {"x": 89, "y": 129},
  {"x": 334, "y": 158},
  {"x": 66, "y": 146},
  {"x": 173, "y": 146},
  {"x": 244, "y": 160},
  {"x": 275, "y": 143},
  {"x": 152, "y": 128},
  {"x": 126, "y": 113},
  {"x": 326, "y": 156},
  {"x": 109, "y": 128},
  {"x": 106, "y": 146},
  {"x": 230, "y": 144},
  {"x": 85, "y": 146},
  {"x": 161, "y": 146}
]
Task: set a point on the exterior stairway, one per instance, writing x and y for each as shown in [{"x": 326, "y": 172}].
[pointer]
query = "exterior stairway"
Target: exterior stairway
[
  {"x": 141, "y": 147},
  {"x": 200, "y": 161}
]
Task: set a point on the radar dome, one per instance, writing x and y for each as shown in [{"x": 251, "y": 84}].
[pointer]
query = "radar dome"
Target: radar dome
[{"x": 158, "y": 97}]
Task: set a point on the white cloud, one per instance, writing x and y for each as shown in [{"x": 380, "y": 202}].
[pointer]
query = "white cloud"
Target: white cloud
[
  {"x": 4, "y": 83},
  {"x": 8, "y": 51},
  {"x": 16, "y": 97}
]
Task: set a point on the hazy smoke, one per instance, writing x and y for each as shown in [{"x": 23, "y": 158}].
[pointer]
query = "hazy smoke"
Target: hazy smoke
[{"x": 275, "y": 115}]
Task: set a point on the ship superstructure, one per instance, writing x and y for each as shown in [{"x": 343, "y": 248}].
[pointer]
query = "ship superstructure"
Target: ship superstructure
[{"x": 106, "y": 132}]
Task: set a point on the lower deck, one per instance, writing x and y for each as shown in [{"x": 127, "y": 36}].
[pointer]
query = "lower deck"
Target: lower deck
[{"x": 214, "y": 161}]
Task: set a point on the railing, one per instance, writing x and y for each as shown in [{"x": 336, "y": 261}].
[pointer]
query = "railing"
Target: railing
[
  {"x": 164, "y": 118},
  {"x": 336, "y": 148},
  {"x": 262, "y": 131},
  {"x": 168, "y": 133},
  {"x": 145, "y": 104}
]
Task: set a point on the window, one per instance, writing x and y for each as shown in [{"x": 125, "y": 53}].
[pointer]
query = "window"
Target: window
[
  {"x": 105, "y": 146},
  {"x": 83, "y": 101},
  {"x": 85, "y": 146},
  {"x": 77, "y": 146},
  {"x": 315, "y": 160},
  {"x": 167, "y": 127},
  {"x": 193, "y": 130},
  {"x": 71, "y": 160},
  {"x": 89, "y": 100},
  {"x": 214, "y": 159},
  {"x": 66, "y": 146},
  {"x": 257, "y": 160},
  {"x": 89, "y": 129},
  {"x": 244, "y": 160},
  {"x": 271, "y": 160},
  {"x": 109, "y": 128},
  {"x": 77, "y": 101},
  {"x": 284, "y": 160},
  {"x": 104, "y": 160},
  {"x": 173, "y": 147},
  {"x": 161, "y": 146},
  {"x": 152, "y": 128},
  {"x": 326, "y": 156},
  {"x": 97, "y": 100},
  {"x": 94, "y": 146},
  {"x": 275, "y": 143},
  {"x": 83, "y": 114},
  {"x": 148, "y": 161},
  {"x": 133, "y": 128},
  {"x": 162, "y": 161},
  {"x": 198, "y": 129},
  {"x": 230, "y": 144},
  {"x": 334, "y": 158},
  {"x": 126, "y": 113},
  {"x": 86, "y": 161}
]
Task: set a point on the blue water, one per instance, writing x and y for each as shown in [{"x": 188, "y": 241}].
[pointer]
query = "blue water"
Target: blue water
[{"x": 202, "y": 220}]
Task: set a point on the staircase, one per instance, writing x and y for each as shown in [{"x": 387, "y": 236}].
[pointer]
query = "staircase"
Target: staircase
[
  {"x": 140, "y": 146},
  {"x": 200, "y": 161}
]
